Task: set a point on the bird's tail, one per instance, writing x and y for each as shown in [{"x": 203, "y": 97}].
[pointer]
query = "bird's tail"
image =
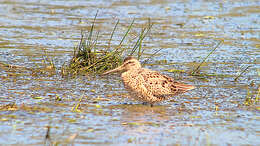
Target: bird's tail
[
  {"x": 187, "y": 87},
  {"x": 181, "y": 88}
]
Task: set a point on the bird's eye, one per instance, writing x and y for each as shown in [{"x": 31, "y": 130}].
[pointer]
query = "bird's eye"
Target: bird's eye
[{"x": 129, "y": 62}]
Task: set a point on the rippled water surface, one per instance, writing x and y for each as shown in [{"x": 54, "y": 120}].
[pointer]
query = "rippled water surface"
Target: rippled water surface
[{"x": 37, "y": 108}]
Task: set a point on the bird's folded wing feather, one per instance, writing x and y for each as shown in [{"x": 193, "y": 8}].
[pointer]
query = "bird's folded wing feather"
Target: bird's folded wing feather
[{"x": 160, "y": 85}]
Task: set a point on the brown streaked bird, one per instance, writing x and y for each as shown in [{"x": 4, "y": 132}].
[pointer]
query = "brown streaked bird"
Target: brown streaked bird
[{"x": 147, "y": 85}]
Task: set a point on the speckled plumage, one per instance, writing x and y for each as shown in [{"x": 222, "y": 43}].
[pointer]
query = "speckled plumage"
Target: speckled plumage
[{"x": 147, "y": 85}]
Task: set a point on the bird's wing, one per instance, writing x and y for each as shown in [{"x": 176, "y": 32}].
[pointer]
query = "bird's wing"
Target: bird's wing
[{"x": 161, "y": 86}]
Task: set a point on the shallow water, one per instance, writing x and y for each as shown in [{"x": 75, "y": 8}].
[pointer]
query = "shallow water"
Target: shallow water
[{"x": 218, "y": 112}]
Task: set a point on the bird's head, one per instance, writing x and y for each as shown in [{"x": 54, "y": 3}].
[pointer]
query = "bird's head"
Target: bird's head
[{"x": 130, "y": 63}]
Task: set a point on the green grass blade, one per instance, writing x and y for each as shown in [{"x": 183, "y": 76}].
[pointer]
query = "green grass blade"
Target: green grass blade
[
  {"x": 220, "y": 42},
  {"x": 242, "y": 73},
  {"x": 119, "y": 46},
  {"x": 112, "y": 34},
  {"x": 129, "y": 28},
  {"x": 142, "y": 35},
  {"x": 152, "y": 55},
  {"x": 91, "y": 30}
]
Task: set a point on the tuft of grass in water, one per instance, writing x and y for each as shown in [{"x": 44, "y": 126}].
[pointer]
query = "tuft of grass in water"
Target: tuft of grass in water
[
  {"x": 47, "y": 67},
  {"x": 88, "y": 59},
  {"x": 76, "y": 106},
  {"x": 195, "y": 72},
  {"x": 250, "y": 100}
]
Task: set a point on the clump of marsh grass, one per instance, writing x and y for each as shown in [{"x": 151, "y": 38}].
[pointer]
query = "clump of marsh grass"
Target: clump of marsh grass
[{"x": 89, "y": 59}]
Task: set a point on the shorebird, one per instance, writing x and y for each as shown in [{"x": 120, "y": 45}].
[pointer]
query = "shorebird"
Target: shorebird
[{"x": 147, "y": 85}]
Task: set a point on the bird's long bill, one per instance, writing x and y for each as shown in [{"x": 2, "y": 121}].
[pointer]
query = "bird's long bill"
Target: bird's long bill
[{"x": 113, "y": 70}]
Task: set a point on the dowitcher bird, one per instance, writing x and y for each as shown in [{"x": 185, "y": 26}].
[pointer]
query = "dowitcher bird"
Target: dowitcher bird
[{"x": 147, "y": 85}]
